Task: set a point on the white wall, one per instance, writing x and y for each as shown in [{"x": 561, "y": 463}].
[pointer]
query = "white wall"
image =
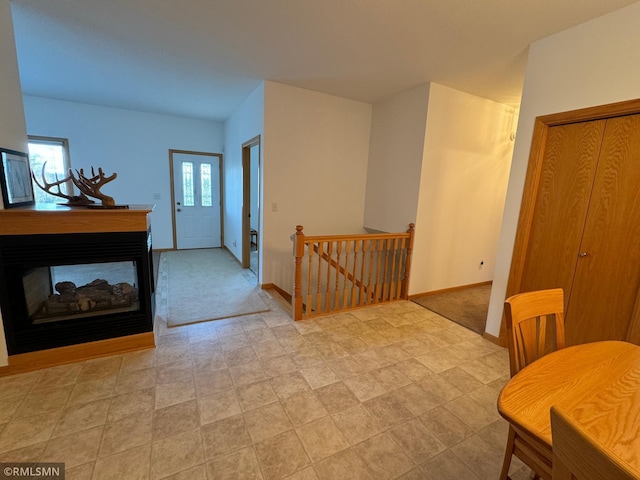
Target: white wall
[
  {"x": 588, "y": 65},
  {"x": 315, "y": 155},
  {"x": 465, "y": 169},
  {"x": 395, "y": 160},
  {"x": 13, "y": 133},
  {"x": 12, "y": 123},
  {"x": 246, "y": 123},
  {"x": 133, "y": 144}
]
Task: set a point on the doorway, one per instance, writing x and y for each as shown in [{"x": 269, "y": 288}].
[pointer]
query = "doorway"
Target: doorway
[
  {"x": 251, "y": 238},
  {"x": 195, "y": 199}
]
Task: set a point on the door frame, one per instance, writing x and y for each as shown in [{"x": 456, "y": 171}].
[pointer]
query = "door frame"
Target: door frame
[
  {"x": 246, "y": 199},
  {"x": 173, "y": 195},
  {"x": 532, "y": 182}
]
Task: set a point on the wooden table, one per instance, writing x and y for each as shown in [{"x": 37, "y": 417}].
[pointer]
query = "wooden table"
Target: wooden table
[{"x": 598, "y": 384}]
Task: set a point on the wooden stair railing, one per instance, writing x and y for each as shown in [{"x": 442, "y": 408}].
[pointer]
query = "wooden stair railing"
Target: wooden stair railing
[{"x": 348, "y": 271}]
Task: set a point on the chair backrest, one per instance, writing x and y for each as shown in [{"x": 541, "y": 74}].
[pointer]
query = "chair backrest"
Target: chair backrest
[
  {"x": 576, "y": 455},
  {"x": 527, "y": 315}
]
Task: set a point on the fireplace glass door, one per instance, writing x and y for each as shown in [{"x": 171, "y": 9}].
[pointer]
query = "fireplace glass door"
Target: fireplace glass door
[{"x": 66, "y": 292}]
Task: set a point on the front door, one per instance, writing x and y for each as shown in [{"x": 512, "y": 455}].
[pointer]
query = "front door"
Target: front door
[{"x": 196, "y": 199}]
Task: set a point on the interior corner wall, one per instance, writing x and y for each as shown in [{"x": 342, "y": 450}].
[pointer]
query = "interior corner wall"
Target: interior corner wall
[
  {"x": 316, "y": 148},
  {"x": 12, "y": 124},
  {"x": 584, "y": 66},
  {"x": 395, "y": 160},
  {"x": 133, "y": 144},
  {"x": 245, "y": 123},
  {"x": 13, "y": 132},
  {"x": 463, "y": 182}
]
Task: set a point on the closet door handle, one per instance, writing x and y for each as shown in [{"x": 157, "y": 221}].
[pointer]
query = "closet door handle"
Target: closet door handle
[{"x": 583, "y": 254}]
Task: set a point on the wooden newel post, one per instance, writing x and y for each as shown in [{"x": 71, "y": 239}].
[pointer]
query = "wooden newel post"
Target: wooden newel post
[
  {"x": 298, "y": 253},
  {"x": 407, "y": 268}
]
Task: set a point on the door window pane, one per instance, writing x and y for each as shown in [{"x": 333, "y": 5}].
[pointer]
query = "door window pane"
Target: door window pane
[
  {"x": 205, "y": 184},
  {"x": 187, "y": 185}
]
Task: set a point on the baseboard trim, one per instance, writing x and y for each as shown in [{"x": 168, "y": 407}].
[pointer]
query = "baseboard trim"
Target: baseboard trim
[
  {"x": 233, "y": 255},
  {"x": 491, "y": 338},
  {"x": 450, "y": 289},
  {"x": 26, "y": 362},
  {"x": 281, "y": 292}
]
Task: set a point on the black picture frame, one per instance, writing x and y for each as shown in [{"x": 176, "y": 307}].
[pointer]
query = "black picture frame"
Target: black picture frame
[{"x": 15, "y": 179}]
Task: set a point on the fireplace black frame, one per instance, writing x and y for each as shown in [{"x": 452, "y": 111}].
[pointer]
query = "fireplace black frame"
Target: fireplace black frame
[{"x": 20, "y": 253}]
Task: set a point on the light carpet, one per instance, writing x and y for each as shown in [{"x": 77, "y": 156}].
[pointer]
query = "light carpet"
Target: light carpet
[{"x": 207, "y": 284}]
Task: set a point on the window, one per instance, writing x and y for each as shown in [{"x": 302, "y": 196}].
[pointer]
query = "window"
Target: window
[
  {"x": 205, "y": 184},
  {"x": 49, "y": 159},
  {"x": 188, "y": 194}
]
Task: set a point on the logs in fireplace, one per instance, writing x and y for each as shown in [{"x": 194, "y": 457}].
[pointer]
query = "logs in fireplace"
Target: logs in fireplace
[{"x": 99, "y": 295}]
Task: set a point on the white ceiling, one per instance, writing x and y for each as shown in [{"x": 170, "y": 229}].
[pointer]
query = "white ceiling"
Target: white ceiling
[{"x": 202, "y": 58}]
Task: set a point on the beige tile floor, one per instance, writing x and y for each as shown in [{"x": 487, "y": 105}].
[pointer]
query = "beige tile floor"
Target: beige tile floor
[{"x": 385, "y": 392}]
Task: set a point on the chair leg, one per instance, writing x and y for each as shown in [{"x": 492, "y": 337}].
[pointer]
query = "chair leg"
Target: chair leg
[{"x": 504, "y": 474}]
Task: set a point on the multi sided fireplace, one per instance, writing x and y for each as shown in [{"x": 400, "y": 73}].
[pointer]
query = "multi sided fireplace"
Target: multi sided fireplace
[{"x": 60, "y": 289}]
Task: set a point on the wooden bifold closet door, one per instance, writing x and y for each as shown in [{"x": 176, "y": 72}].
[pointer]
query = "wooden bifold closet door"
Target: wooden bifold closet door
[{"x": 585, "y": 231}]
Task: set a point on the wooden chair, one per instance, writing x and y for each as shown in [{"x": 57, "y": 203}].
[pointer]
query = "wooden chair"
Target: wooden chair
[
  {"x": 577, "y": 456},
  {"x": 527, "y": 315}
]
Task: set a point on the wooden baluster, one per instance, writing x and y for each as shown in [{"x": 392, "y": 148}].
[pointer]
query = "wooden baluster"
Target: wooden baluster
[
  {"x": 401, "y": 266},
  {"x": 407, "y": 268},
  {"x": 392, "y": 279},
  {"x": 327, "y": 307},
  {"x": 345, "y": 275},
  {"x": 354, "y": 283},
  {"x": 336, "y": 301},
  {"x": 380, "y": 270},
  {"x": 364, "y": 273},
  {"x": 379, "y": 248},
  {"x": 389, "y": 266},
  {"x": 365, "y": 287},
  {"x": 309, "y": 308},
  {"x": 319, "y": 285},
  {"x": 385, "y": 272},
  {"x": 401, "y": 250},
  {"x": 298, "y": 248}
]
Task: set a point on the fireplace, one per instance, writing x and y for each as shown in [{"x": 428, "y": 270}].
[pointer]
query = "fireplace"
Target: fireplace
[{"x": 60, "y": 289}]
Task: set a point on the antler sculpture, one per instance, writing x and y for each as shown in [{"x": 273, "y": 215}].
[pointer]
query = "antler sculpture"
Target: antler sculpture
[
  {"x": 88, "y": 186},
  {"x": 72, "y": 200},
  {"x": 91, "y": 186}
]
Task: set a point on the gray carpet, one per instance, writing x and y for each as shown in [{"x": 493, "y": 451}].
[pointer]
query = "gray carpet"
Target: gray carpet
[
  {"x": 207, "y": 284},
  {"x": 467, "y": 307}
]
